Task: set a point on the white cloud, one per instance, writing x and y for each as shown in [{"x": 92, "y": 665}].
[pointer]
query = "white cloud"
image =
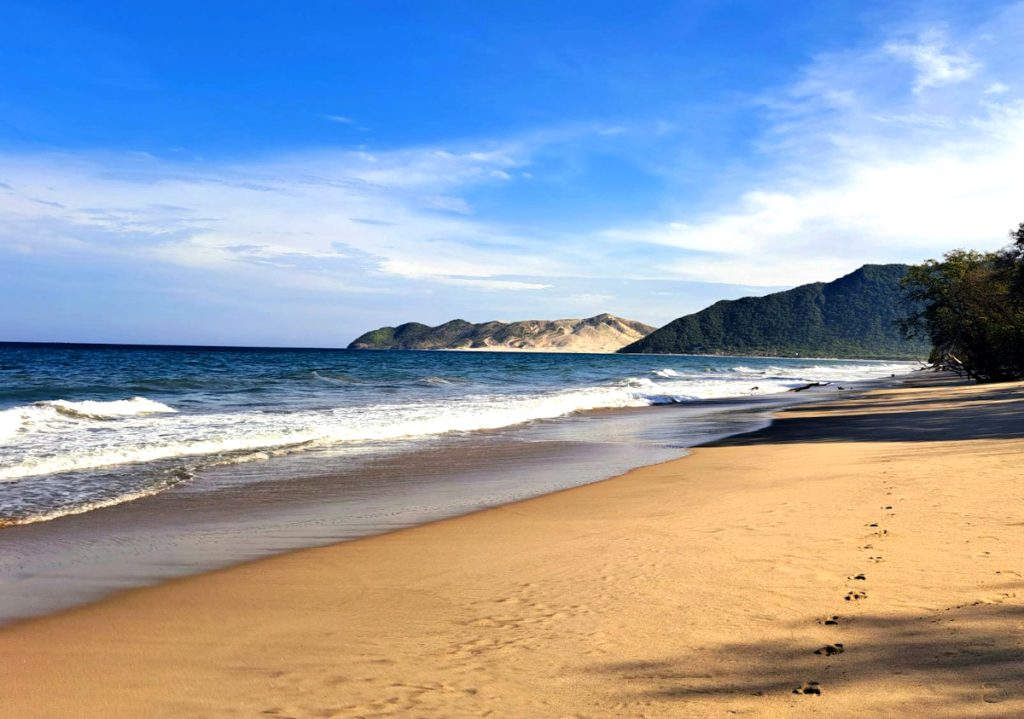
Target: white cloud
[
  {"x": 339, "y": 118},
  {"x": 493, "y": 285},
  {"x": 862, "y": 171},
  {"x": 936, "y": 63},
  {"x": 270, "y": 220}
]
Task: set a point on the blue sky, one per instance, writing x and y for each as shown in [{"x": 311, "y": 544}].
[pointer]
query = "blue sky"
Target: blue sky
[{"x": 297, "y": 173}]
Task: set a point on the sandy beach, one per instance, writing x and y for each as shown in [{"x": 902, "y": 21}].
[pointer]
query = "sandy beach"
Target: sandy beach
[{"x": 866, "y": 552}]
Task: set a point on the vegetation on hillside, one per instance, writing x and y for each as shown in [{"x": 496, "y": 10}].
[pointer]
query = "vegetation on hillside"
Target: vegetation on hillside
[
  {"x": 600, "y": 333},
  {"x": 855, "y": 316},
  {"x": 971, "y": 307}
]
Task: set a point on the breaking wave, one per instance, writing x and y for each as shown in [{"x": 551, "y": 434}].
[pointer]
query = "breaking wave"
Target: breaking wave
[
  {"x": 41, "y": 415},
  {"x": 109, "y": 452}
]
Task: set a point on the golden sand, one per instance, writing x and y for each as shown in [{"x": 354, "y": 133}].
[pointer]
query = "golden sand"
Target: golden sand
[{"x": 870, "y": 550}]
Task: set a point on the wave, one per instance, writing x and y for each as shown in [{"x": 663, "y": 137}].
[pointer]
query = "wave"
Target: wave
[
  {"x": 636, "y": 382},
  {"x": 83, "y": 507},
  {"x": 220, "y": 434},
  {"x": 432, "y": 381},
  {"x": 138, "y": 436},
  {"x": 666, "y": 373},
  {"x": 10, "y": 423},
  {"x": 821, "y": 373},
  {"x": 107, "y": 410},
  {"x": 45, "y": 414},
  {"x": 339, "y": 379}
]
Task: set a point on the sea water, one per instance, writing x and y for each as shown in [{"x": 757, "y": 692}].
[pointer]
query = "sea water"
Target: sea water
[{"x": 83, "y": 428}]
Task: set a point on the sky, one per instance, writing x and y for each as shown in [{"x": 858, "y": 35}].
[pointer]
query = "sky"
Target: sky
[{"x": 294, "y": 174}]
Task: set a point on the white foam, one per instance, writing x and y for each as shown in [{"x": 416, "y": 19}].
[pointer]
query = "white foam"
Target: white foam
[
  {"x": 225, "y": 433},
  {"x": 141, "y": 430},
  {"x": 73, "y": 509},
  {"x": 827, "y": 373},
  {"x": 104, "y": 410},
  {"x": 10, "y": 423},
  {"x": 57, "y": 414}
]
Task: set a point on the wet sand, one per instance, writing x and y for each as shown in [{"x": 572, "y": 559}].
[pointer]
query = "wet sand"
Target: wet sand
[
  {"x": 239, "y": 513},
  {"x": 865, "y": 552}
]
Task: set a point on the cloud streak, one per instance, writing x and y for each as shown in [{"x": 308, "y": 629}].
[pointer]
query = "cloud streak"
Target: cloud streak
[
  {"x": 937, "y": 64},
  {"x": 864, "y": 168},
  {"x": 391, "y": 208}
]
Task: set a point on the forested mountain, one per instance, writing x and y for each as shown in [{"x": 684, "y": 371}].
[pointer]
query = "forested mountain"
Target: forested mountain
[
  {"x": 855, "y": 316},
  {"x": 603, "y": 333}
]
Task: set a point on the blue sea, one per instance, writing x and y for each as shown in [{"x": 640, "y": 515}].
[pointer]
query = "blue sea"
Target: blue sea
[{"x": 86, "y": 428}]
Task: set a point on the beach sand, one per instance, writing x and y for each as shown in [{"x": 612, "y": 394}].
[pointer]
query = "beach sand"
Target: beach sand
[{"x": 698, "y": 588}]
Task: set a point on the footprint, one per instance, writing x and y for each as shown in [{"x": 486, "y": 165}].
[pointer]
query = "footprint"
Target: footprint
[
  {"x": 993, "y": 694},
  {"x": 867, "y": 546},
  {"x": 830, "y": 649},
  {"x": 829, "y": 621},
  {"x": 861, "y": 577},
  {"x": 873, "y": 524},
  {"x": 808, "y": 688},
  {"x": 854, "y": 596},
  {"x": 876, "y": 560}
]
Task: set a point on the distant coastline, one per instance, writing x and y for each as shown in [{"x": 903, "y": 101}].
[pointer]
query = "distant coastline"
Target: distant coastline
[
  {"x": 600, "y": 333},
  {"x": 510, "y": 350},
  {"x": 897, "y": 358}
]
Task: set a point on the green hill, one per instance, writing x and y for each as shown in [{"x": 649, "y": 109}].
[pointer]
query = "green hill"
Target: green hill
[{"x": 853, "y": 317}]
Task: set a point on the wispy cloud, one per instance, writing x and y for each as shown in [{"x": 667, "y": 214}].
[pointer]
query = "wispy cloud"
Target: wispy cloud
[
  {"x": 261, "y": 219},
  {"x": 936, "y": 62},
  {"x": 861, "y": 168},
  {"x": 339, "y": 118}
]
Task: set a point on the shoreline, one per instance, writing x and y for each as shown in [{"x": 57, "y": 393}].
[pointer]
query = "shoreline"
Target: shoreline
[
  {"x": 86, "y": 557},
  {"x": 693, "y": 586}
]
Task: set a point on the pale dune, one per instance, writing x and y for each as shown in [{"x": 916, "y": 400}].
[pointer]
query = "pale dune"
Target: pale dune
[{"x": 703, "y": 587}]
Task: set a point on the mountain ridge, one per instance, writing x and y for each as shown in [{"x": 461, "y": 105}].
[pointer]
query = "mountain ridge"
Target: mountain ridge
[
  {"x": 852, "y": 317},
  {"x": 600, "y": 333}
]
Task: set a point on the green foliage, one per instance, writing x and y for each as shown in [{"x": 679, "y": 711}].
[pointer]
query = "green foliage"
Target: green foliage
[
  {"x": 414, "y": 335},
  {"x": 971, "y": 306},
  {"x": 854, "y": 316}
]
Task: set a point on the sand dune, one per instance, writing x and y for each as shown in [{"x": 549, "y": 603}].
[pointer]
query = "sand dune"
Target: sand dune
[{"x": 860, "y": 558}]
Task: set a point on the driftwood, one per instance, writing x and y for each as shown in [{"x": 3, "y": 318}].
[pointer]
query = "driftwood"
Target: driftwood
[
  {"x": 808, "y": 386},
  {"x": 952, "y": 363}
]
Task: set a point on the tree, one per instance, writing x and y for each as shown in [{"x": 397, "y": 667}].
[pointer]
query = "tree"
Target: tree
[{"x": 971, "y": 305}]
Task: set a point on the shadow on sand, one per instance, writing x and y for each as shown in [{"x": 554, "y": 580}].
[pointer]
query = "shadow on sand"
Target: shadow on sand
[
  {"x": 959, "y": 661},
  {"x": 961, "y": 417}
]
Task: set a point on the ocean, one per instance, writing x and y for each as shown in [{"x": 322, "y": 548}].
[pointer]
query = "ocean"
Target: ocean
[
  {"x": 124, "y": 466},
  {"x": 88, "y": 427}
]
